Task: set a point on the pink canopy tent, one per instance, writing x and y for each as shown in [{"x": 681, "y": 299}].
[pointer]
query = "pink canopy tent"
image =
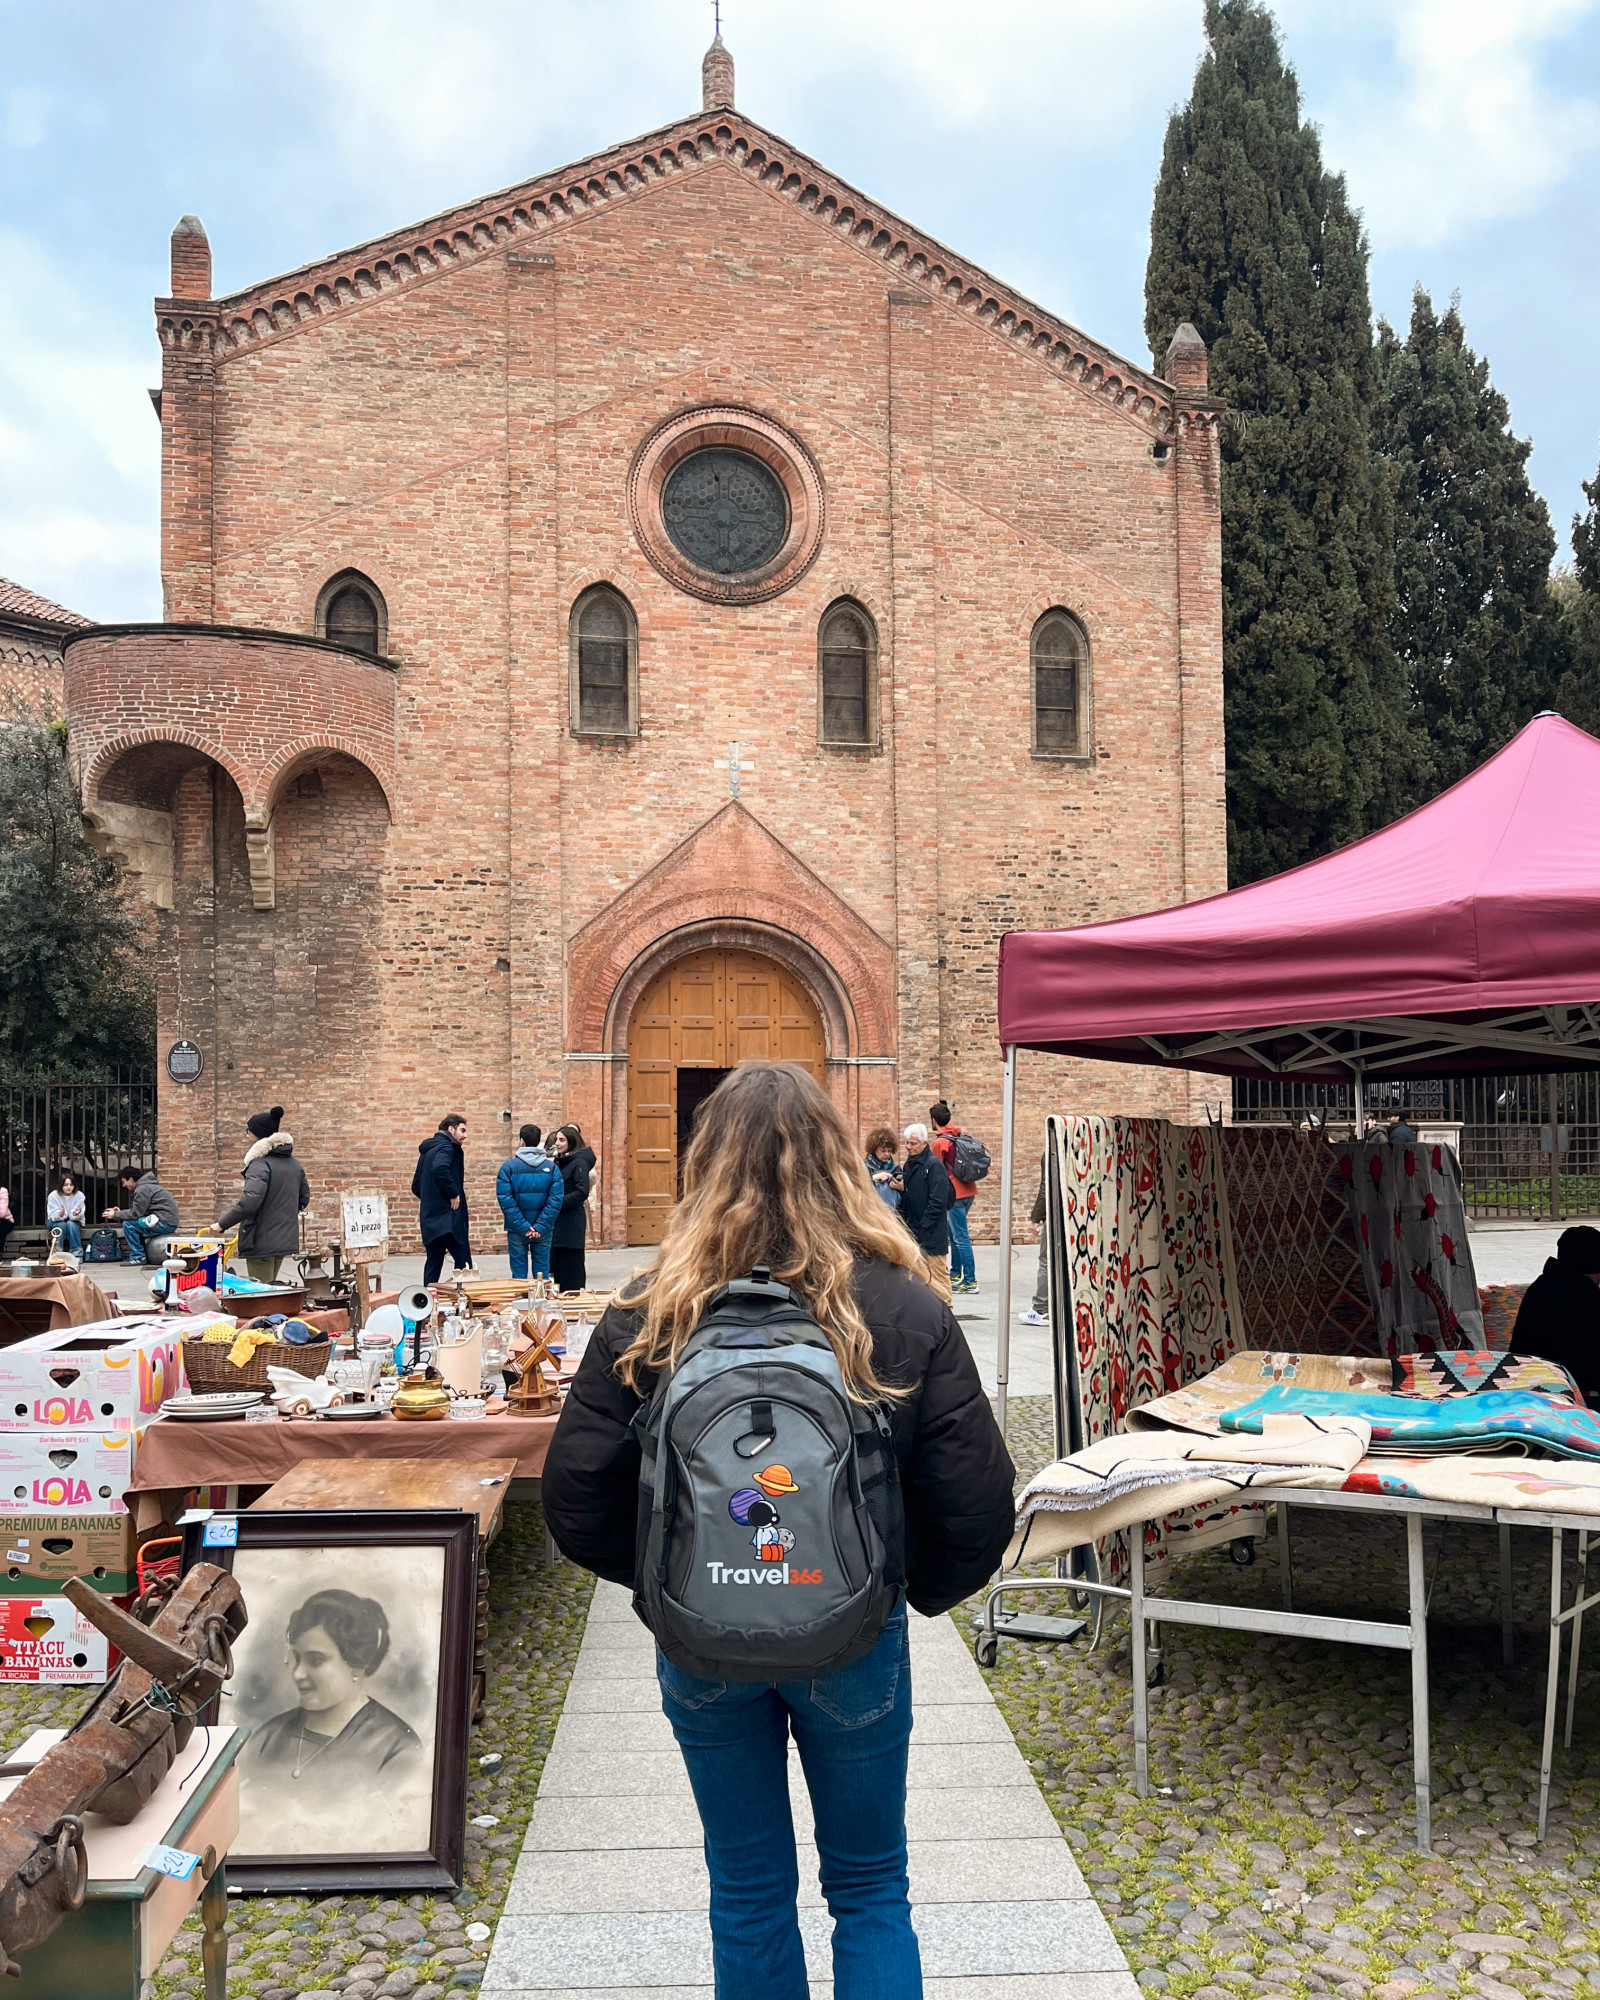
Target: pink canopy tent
[{"x": 1464, "y": 937}]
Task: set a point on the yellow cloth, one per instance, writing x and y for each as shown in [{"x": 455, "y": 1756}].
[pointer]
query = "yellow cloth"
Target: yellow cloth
[{"x": 249, "y": 1338}]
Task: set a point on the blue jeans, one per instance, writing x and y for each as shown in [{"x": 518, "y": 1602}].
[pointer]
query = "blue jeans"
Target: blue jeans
[
  {"x": 852, "y": 1728},
  {"x": 522, "y": 1248},
  {"x": 71, "y": 1235},
  {"x": 962, "y": 1268},
  {"x": 133, "y": 1234}
]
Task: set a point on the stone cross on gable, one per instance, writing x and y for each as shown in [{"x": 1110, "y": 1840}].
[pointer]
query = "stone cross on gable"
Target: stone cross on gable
[{"x": 733, "y": 767}]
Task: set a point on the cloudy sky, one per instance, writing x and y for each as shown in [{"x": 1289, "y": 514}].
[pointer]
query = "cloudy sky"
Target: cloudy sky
[{"x": 1024, "y": 133}]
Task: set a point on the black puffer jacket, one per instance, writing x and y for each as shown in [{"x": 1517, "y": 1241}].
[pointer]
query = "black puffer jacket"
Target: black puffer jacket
[
  {"x": 572, "y": 1225},
  {"x": 956, "y": 1476}
]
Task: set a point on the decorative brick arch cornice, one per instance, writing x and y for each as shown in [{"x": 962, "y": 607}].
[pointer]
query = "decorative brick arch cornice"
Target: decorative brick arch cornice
[
  {"x": 294, "y": 756},
  {"x": 732, "y": 874},
  {"x": 724, "y": 140},
  {"x": 97, "y": 762}
]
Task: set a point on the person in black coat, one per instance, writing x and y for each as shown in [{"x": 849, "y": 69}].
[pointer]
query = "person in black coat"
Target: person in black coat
[
  {"x": 774, "y": 1177},
  {"x": 926, "y": 1194},
  {"x": 440, "y": 1185},
  {"x": 270, "y": 1202},
  {"x": 568, "y": 1265},
  {"x": 1559, "y": 1318}
]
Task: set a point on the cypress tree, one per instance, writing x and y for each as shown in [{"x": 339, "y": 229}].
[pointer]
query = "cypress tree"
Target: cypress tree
[
  {"x": 1255, "y": 242},
  {"x": 1475, "y": 626},
  {"x": 1579, "y": 597}
]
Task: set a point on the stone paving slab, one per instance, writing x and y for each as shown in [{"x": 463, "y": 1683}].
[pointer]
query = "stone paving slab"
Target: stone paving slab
[
  {"x": 609, "y": 1895},
  {"x": 560, "y": 1953}
]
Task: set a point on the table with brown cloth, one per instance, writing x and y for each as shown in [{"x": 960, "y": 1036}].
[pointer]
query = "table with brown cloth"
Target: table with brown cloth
[
  {"x": 54, "y": 1300},
  {"x": 176, "y": 1455}
]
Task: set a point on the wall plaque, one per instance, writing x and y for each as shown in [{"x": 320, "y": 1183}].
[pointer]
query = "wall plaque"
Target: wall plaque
[{"x": 185, "y": 1062}]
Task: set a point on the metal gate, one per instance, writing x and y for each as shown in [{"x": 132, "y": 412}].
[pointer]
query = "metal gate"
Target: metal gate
[
  {"x": 1530, "y": 1145},
  {"x": 89, "y": 1130}
]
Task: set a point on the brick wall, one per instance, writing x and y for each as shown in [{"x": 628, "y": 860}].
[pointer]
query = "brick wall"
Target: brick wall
[{"x": 462, "y": 436}]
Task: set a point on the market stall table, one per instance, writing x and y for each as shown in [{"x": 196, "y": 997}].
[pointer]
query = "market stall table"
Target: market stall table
[
  {"x": 177, "y": 1455},
  {"x": 38, "y": 1305}
]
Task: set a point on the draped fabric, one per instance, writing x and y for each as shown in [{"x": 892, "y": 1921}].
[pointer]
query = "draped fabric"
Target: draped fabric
[
  {"x": 1297, "y": 1278},
  {"x": 1409, "y": 1213},
  {"x": 1146, "y": 1264}
]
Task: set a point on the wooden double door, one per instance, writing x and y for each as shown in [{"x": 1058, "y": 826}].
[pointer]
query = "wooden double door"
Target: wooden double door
[{"x": 704, "y": 1015}]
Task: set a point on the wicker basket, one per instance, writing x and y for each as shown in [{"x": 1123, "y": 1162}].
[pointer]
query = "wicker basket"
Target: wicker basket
[{"x": 208, "y": 1368}]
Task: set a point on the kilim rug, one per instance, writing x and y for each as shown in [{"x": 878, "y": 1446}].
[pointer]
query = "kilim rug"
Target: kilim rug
[{"x": 1296, "y": 1276}]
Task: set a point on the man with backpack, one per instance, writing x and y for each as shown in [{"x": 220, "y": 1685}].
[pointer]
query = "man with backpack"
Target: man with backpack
[
  {"x": 529, "y": 1189},
  {"x": 966, "y": 1162}
]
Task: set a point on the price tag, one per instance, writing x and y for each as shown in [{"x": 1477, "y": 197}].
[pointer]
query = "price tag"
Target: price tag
[
  {"x": 221, "y": 1532},
  {"x": 172, "y": 1861}
]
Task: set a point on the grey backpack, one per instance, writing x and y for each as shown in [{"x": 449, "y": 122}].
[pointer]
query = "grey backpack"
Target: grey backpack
[{"x": 771, "y": 1538}]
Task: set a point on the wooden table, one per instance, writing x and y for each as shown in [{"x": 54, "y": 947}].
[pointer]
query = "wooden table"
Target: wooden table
[
  {"x": 36, "y": 1305},
  {"x": 175, "y": 1456},
  {"x": 107, "y": 1949},
  {"x": 474, "y": 1486}
]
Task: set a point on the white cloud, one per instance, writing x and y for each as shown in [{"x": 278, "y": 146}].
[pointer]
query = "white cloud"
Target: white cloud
[
  {"x": 1473, "y": 122},
  {"x": 79, "y": 443},
  {"x": 516, "y": 73}
]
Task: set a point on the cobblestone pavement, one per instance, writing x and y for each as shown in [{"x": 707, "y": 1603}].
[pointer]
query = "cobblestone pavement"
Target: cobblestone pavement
[
  {"x": 418, "y": 1947},
  {"x": 1283, "y": 1861}
]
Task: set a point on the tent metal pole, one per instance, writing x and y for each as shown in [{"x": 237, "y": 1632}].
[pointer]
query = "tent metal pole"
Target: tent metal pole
[
  {"x": 1008, "y": 1135},
  {"x": 1555, "y": 1146}
]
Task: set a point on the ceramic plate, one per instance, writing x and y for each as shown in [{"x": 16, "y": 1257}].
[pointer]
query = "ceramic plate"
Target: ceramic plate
[
  {"x": 352, "y": 1411},
  {"x": 215, "y": 1404}
]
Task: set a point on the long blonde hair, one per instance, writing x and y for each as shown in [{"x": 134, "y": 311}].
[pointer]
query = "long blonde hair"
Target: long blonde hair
[{"x": 773, "y": 1176}]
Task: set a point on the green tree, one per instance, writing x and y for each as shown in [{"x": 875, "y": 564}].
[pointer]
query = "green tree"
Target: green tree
[
  {"x": 1578, "y": 594},
  {"x": 74, "y": 995},
  {"x": 1476, "y": 626},
  {"x": 1254, "y": 242}
]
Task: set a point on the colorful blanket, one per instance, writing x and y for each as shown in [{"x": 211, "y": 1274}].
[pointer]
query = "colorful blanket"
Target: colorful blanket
[{"x": 1269, "y": 1421}]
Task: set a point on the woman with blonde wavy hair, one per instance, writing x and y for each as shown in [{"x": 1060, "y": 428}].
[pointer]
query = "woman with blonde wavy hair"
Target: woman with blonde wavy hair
[{"x": 774, "y": 1176}]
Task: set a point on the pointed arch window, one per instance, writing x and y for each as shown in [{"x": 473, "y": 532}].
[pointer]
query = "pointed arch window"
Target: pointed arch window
[
  {"x": 351, "y": 612},
  {"x": 1060, "y": 667},
  {"x": 605, "y": 664},
  {"x": 847, "y": 677}
]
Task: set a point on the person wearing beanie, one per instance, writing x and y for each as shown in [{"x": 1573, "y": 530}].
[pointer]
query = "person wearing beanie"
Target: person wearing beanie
[
  {"x": 1559, "y": 1319},
  {"x": 270, "y": 1201}
]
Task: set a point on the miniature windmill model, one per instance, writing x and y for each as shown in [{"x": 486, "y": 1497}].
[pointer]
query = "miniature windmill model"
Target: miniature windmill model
[{"x": 530, "y": 1393}]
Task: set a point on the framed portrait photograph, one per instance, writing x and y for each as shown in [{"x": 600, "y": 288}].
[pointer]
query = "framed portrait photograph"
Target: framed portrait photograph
[{"x": 354, "y": 1678}]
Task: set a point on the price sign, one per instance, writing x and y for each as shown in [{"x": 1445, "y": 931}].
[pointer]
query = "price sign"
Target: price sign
[{"x": 364, "y": 1224}]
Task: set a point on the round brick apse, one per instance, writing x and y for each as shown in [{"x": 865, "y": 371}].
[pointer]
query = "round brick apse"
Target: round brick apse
[{"x": 257, "y": 703}]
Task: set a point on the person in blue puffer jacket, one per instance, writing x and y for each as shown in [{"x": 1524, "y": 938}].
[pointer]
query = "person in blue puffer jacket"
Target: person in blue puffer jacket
[{"x": 528, "y": 1188}]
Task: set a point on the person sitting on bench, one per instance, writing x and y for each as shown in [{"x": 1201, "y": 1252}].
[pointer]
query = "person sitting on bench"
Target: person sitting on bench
[{"x": 150, "y": 1216}]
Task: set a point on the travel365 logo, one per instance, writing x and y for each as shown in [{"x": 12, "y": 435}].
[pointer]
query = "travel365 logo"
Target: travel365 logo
[{"x": 753, "y": 1507}]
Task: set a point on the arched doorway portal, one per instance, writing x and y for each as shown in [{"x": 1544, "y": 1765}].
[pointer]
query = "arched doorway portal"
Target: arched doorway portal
[{"x": 693, "y": 1023}]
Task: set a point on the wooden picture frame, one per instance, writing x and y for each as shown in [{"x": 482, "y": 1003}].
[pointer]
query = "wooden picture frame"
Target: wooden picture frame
[{"x": 398, "y": 1770}]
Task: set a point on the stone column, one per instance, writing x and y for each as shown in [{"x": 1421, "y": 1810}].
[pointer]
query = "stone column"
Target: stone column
[
  {"x": 914, "y": 698},
  {"x": 1203, "y": 755},
  {"x": 1198, "y": 470}
]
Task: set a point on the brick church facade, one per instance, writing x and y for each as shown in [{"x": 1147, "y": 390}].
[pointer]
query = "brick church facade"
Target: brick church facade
[{"x": 666, "y": 612}]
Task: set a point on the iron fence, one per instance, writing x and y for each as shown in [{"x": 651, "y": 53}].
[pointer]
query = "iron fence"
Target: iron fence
[
  {"x": 1529, "y": 1146},
  {"x": 89, "y": 1130}
]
